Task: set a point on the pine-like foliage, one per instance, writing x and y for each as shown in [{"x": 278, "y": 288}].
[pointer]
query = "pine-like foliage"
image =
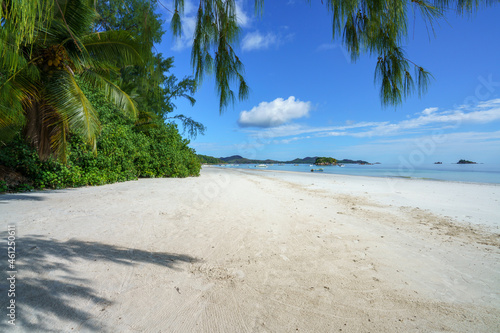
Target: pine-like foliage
[{"x": 376, "y": 27}]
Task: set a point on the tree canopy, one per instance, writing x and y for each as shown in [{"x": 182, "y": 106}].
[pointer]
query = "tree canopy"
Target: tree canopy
[
  {"x": 108, "y": 44},
  {"x": 375, "y": 27},
  {"x": 84, "y": 97},
  {"x": 153, "y": 84},
  {"x": 39, "y": 80}
]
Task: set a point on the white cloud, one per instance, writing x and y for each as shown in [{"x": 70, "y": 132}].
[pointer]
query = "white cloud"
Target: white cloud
[
  {"x": 488, "y": 104},
  {"x": 297, "y": 129},
  {"x": 427, "y": 120},
  {"x": 430, "y": 119},
  {"x": 428, "y": 111},
  {"x": 287, "y": 141},
  {"x": 275, "y": 113},
  {"x": 449, "y": 138},
  {"x": 279, "y": 131},
  {"x": 241, "y": 16},
  {"x": 256, "y": 41}
]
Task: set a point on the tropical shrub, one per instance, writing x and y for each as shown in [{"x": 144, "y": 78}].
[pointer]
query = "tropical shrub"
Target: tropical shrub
[{"x": 123, "y": 152}]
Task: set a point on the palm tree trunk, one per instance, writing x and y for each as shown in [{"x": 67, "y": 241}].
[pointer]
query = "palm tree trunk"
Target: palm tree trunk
[{"x": 40, "y": 121}]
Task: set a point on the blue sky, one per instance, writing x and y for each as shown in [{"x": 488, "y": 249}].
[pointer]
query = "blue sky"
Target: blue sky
[{"x": 308, "y": 99}]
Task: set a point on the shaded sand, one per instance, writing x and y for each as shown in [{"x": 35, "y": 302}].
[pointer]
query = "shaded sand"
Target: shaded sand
[{"x": 249, "y": 251}]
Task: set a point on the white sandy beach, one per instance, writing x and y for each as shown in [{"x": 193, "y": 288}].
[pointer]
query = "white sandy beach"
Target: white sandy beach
[{"x": 256, "y": 251}]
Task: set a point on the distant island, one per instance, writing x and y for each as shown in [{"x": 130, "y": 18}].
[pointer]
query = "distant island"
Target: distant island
[
  {"x": 466, "y": 162},
  {"x": 333, "y": 161},
  {"x": 237, "y": 159}
]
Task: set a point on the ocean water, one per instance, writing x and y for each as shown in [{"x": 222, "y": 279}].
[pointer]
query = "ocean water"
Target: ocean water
[{"x": 475, "y": 173}]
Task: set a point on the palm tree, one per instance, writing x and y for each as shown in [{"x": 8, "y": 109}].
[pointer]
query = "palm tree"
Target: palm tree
[{"x": 41, "y": 75}]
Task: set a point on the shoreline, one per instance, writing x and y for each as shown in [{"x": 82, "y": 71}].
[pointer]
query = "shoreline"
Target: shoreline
[
  {"x": 348, "y": 175},
  {"x": 238, "y": 250},
  {"x": 441, "y": 199},
  {"x": 377, "y": 176}
]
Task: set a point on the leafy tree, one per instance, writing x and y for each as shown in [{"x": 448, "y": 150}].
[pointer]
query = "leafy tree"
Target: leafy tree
[
  {"x": 151, "y": 84},
  {"x": 171, "y": 89},
  {"x": 205, "y": 159},
  {"x": 39, "y": 90},
  {"x": 135, "y": 16},
  {"x": 71, "y": 82}
]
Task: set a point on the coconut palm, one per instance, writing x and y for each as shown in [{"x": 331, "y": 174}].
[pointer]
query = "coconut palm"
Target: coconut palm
[{"x": 41, "y": 75}]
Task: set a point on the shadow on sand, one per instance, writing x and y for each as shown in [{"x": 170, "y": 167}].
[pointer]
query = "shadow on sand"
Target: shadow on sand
[
  {"x": 5, "y": 198},
  {"x": 41, "y": 295}
]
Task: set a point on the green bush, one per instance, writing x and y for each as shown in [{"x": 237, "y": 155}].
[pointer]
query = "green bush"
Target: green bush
[
  {"x": 123, "y": 153},
  {"x": 3, "y": 186}
]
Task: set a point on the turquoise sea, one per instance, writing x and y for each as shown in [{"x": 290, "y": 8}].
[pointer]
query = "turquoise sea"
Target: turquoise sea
[{"x": 476, "y": 173}]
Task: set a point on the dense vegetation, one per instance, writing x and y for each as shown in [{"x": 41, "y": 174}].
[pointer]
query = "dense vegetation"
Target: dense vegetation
[
  {"x": 85, "y": 101},
  {"x": 205, "y": 159},
  {"x": 325, "y": 161},
  {"x": 125, "y": 151}
]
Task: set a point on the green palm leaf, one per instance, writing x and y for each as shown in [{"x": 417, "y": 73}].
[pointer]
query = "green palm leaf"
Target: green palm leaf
[
  {"x": 38, "y": 70},
  {"x": 77, "y": 16},
  {"x": 20, "y": 20},
  {"x": 114, "y": 47},
  {"x": 112, "y": 92},
  {"x": 64, "y": 95},
  {"x": 11, "y": 111}
]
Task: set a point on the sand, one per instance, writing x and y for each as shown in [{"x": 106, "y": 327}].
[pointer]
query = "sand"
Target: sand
[{"x": 256, "y": 251}]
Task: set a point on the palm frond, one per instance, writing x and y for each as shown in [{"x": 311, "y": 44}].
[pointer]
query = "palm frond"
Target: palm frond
[
  {"x": 77, "y": 15},
  {"x": 112, "y": 92},
  {"x": 11, "y": 111},
  {"x": 64, "y": 95},
  {"x": 21, "y": 19},
  {"x": 115, "y": 47}
]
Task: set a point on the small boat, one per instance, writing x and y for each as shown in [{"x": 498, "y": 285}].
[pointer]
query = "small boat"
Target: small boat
[
  {"x": 341, "y": 165},
  {"x": 317, "y": 170},
  {"x": 261, "y": 166}
]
